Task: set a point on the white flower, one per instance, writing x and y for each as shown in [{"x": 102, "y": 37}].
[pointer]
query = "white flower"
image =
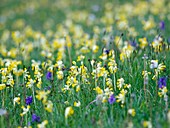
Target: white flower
[{"x": 154, "y": 64}]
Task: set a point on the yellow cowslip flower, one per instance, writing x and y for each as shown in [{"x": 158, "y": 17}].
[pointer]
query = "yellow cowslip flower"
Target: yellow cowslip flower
[
  {"x": 69, "y": 111},
  {"x": 109, "y": 82},
  {"x": 145, "y": 75},
  {"x": 16, "y": 100},
  {"x": 42, "y": 95},
  {"x": 25, "y": 110},
  {"x": 2, "y": 86},
  {"x": 103, "y": 56},
  {"x": 10, "y": 80},
  {"x": 98, "y": 90},
  {"x": 104, "y": 99},
  {"x": 162, "y": 91},
  {"x": 43, "y": 124},
  {"x": 84, "y": 50},
  {"x": 68, "y": 41},
  {"x": 73, "y": 81},
  {"x": 120, "y": 83},
  {"x": 60, "y": 75},
  {"x": 157, "y": 43},
  {"x": 127, "y": 85},
  {"x": 18, "y": 72},
  {"x": 161, "y": 67},
  {"x": 149, "y": 24},
  {"x": 77, "y": 104},
  {"x": 112, "y": 65},
  {"x": 30, "y": 83},
  {"x": 143, "y": 42},
  {"x": 12, "y": 53},
  {"x": 132, "y": 112},
  {"x": 49, "y": 106},
  {"x": 101, "y": 71},
  {"x": 108, "y": 91},
  {"x": 122, "y": 56},
  {"x": 121, "y": 96},
  {"x": 59, "y": 64},
  {"x": 78, "y": 88},
  {"x": 17, "y": 37},
  {"x": 80, "y": 58},
  {"x": 119, "y": 42},
  {"x": 147, "y": 124},
  {"x": 95, "y": 48}
]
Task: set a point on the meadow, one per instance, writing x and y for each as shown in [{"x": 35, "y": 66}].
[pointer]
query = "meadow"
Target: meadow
[{"x": 84, "y": 64}]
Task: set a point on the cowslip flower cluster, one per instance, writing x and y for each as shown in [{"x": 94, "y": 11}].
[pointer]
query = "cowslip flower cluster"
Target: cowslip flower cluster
[
  {"x": 60, "y": 66},
  {"x": 157, "y": 43},
  {"x": 158, "y": 68},
  {"x": 126, "y": 51},
  {"x": 25, "y": 110},
  {"x": 104, "y": 96},
  {"x": 37, "y": 74},
  {"x": 131, "y": 112},
  {"x": 112, "y": 63},
  {"x": 69, "y": 111},
  {"x": 42, "y": 95},
  {"x": 123, "y": 87}
]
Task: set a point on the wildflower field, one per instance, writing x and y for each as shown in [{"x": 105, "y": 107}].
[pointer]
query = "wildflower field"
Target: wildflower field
[{"x": 85, "y": 63}]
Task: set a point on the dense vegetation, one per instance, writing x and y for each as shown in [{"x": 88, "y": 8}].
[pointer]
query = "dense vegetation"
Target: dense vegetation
[{"x": 84, "y": 63}]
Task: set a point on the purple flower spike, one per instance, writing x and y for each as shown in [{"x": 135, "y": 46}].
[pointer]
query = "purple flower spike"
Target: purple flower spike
[
  {"x": 28, "y": 100},
  {"x": 162, "y": 82},
  {"x": 35, "y": 118},
  {"x": 111, "y": 99},
  {"x": 162, "y": 25},
  {"x": 49, "y": 75}
]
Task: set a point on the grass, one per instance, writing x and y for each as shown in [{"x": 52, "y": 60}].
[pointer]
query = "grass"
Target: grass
[{"x": 77, "y": 33}]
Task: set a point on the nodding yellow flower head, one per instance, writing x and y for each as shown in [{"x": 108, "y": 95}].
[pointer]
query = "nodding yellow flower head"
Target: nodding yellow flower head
[
  {"x": 95, "y": 48},
  {"x": 121, "y": 96},
  {"x": 42, "y": 95},
  {"x": 60, "y": 75},
  {"x": 78, "y": 88},
  {"x": 98, "y": 90},
  {"x": 2, "y": 86},
  {"x": 132, "y": 112},
  {"x": 120, "y": 83},
  {"x": 149, "y": 24},
  {"x": 147, "y": 124},
  {"x": 157, "y": 43},
  {"x": 143, "y": 42},
  {"x": 16, "y": 100},
  {"x": 43, "y": 124},
  {"x": 69, "y": 111},
  {"x": 162, "y": 91},
  {"x": 161, "y": 67},
  {"x": 25, "y": 110},
  {"x": 77, "y": 104},
  {"x": 49, "y": 106},
  {"x": 80, "y": 58}
]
